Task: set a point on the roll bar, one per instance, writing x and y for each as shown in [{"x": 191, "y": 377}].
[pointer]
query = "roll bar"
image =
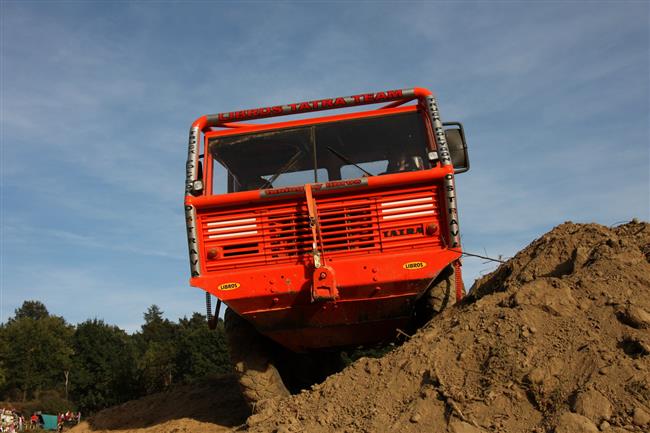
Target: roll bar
[{"x": 395, "y": 97}]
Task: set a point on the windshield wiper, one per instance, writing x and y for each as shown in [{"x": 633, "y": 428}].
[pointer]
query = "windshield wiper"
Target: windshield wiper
[
  {"x": 347, "y": 160},
  {"x": 286, "y": 167}
]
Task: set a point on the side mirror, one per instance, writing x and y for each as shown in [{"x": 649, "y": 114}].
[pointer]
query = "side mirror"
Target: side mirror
[{"x": 457, "y": 146}]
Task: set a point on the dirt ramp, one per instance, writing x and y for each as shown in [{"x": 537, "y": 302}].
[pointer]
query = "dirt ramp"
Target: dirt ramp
[
  {"x": 211, "y": 407},
  {"x": 557, "y": 339}
]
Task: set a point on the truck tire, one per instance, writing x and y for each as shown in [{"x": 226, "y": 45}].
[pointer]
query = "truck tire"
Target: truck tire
[
  {"x": 441, "y": 294},
  {"x": 252, "y": 358}
]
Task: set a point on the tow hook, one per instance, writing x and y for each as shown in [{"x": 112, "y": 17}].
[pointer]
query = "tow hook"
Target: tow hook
[{"x": 324, "y": 285}]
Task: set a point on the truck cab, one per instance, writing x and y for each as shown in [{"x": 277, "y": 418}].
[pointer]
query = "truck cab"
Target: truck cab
[{"x": 326, "y": 232}]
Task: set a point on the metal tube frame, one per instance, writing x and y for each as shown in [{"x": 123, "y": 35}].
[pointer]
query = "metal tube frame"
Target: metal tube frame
[{"x": 230, "y": 119}]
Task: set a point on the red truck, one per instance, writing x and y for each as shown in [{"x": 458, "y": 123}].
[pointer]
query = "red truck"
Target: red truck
[{"x": 323, "y": 233}]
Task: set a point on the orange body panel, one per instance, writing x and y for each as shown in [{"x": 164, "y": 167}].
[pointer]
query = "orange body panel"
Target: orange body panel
[{"x": 381, "y": 239}]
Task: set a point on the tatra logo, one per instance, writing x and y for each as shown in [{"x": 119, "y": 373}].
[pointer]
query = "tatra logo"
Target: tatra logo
[
  {"x": 414, "y": 265},
  {"x": 228, "y": 286},
  {"x": 403, "y": 232},
  {"x": 320, "y": 104}
]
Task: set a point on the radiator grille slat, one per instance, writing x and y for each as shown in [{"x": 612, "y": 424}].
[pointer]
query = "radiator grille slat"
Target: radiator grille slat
[{"x": 356, "y": 224}]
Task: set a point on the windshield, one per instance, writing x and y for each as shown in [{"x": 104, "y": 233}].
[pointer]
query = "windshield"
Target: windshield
[{"x": 317, "y": 153}]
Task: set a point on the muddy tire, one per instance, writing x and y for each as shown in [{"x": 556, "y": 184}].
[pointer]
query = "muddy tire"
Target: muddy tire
[
  {"x": 252, "y": 358},
  {"x": 441, "y": 294}
]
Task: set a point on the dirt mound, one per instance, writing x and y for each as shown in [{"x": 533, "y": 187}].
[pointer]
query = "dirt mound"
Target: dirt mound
[
  {"x": 212, "y": 407},
  {"x": 557, "y": 339}
]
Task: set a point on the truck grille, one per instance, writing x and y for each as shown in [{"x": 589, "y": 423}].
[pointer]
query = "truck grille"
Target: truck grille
[{"x": 355, "y": 224}]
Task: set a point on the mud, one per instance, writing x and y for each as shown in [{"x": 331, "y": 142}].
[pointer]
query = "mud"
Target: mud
[{"x": 555, "y": 340}]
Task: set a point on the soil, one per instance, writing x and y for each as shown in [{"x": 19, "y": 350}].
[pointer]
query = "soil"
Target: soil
[
  {"x": 555, "y": 340},
  {"x": 214, "y": 406}
]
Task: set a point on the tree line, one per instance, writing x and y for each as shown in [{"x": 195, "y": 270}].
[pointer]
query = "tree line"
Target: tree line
[{"x": 94, "y": 365}]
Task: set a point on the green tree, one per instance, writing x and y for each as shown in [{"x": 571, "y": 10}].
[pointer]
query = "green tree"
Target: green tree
[
  {"x": 103, "y": 366},
  {"x": 202, "y": 352},
  {"x": 156, "y": 328},
  {"x": 38, "y": 352},
  {"x": 153, "y": 314},
  {"x": 32, "y": 310},
  {"x": 3, "y": 375},
  {"x": 157, "y": 366},
  {"x": 157, "y": 346}
]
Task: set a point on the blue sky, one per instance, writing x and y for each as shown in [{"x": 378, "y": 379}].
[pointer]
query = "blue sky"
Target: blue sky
[{"x": 97, "y": 99}]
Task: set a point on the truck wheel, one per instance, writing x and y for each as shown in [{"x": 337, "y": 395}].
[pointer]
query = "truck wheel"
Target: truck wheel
[
  {"x": 251, "y": 356},
  {"x": 441, "y": 294}
]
